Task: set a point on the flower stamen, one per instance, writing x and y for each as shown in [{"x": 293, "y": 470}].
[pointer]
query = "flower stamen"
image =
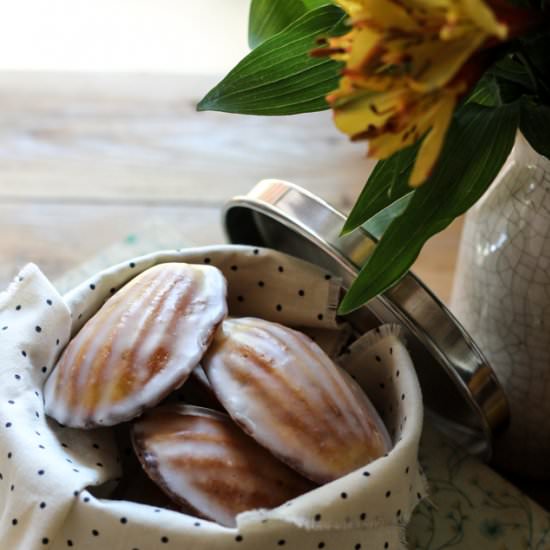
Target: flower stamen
[{"x": 405, "y": 71}]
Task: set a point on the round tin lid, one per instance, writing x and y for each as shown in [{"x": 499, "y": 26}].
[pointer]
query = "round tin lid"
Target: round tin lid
[{"x": 460, "y": 390}]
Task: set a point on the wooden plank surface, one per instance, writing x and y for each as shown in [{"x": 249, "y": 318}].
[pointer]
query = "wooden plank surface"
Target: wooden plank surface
[
  {"x": 60, "y": 237},
  {"x": 88, "y": 161},
  {"x": 138, "y": 138}
]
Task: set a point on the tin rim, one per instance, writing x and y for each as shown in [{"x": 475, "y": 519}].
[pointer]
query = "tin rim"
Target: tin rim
[{"x": 460, "y": 388}]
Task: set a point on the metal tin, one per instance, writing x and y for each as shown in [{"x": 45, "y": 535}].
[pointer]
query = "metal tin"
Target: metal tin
[{"x": 460, "y": 390}]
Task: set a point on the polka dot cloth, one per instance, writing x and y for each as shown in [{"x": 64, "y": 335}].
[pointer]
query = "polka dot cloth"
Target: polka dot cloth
[
  {"x": 261, "y": 283},
  {"x": 55, "y": 482}
]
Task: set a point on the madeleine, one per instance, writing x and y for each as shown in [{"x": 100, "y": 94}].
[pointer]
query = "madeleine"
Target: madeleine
[
  {"x": 287, "y": 394},
  {"x": 208, "y": 466},
  {"x": 141, "y": 345}
]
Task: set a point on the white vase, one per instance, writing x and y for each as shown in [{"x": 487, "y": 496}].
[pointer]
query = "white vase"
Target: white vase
[{"x": 502, "y": 296}]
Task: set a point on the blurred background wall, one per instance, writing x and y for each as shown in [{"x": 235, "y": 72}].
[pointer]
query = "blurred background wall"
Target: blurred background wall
[{"x": 206, "y": 36}]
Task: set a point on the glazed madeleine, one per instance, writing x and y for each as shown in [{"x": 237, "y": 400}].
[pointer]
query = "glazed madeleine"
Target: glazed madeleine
[
  {"x": 207, "y": 464},
  {"x": 289, "y": 396},
  {"x": 142, "y": 344}
]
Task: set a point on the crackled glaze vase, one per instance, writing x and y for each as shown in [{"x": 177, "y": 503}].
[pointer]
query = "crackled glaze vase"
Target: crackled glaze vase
[{"x": 502, "y": 296}]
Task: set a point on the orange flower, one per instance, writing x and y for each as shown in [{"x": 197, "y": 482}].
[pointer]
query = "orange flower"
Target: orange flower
[{"x": 402, "y": 76}]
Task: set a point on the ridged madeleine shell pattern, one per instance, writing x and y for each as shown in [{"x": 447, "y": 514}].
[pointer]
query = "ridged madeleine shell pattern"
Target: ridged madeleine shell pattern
[
  {"x": 209, "y": 466},
  {"x": 141, "y": 344},
  {"x": 290, "y": 397}
]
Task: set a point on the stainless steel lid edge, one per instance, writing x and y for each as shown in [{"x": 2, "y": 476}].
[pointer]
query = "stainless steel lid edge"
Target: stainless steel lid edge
[{"x": 410, "y": 302}]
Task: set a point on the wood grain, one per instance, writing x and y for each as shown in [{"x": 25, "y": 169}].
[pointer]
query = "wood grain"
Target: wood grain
[
  {"x": 60, "y": 238},
  {"x": 138, "y": 138},
  {"x": 94, "y": 161}
]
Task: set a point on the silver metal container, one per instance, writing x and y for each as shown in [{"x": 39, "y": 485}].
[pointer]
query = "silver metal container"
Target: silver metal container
[{"x": 460, "y": 390}]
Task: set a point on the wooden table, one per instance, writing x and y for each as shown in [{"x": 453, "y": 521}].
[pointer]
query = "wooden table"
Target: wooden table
[{"x": 89, "y": 160}]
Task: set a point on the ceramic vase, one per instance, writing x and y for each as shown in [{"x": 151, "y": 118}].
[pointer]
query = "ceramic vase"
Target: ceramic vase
[{"x": 502, "y": 296}]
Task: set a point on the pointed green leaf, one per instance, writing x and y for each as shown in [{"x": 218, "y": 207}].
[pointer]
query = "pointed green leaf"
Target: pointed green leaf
[
  {"x": 268, "y": 17},
  {"x": 377, "y": 225},
  {"x": 513, "y": 79},
  {"x": 511, "y": 69},
  {"x": 388, "y": 182},
  {"x": 486, "y": 92},
  {"x": 313, "y": 4},
  {"x": 475, "y": 149},
  {"x": 280, "y": 77}
]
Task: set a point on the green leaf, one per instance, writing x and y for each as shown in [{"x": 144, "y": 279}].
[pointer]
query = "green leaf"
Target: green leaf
[
  {"x": 313, "y": 4},
  {"x": 279, "y": 77},
  {"x": 477, "y": 145},
  {"x": 513, "y": 78},
  {"x": 388, "y": 182},
  {"x": 535, "y": 126},
  {"x": 268, "y": 17},
  {"x": 509, "y": 68},
  {"x": 377, "y": 225},
  {"x": 510, "y": 91},
  {"x": 486, "y": 92}
]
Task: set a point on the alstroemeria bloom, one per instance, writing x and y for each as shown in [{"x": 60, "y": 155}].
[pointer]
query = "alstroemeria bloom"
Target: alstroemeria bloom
[{"x": 404, "y": 74}]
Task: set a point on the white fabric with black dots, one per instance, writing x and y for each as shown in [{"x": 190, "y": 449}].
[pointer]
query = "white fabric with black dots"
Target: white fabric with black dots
[{"x": 55, "y": 481}]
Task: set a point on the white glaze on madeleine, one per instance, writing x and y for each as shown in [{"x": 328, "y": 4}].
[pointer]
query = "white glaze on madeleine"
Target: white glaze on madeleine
[
  {"x": 210, "y": 467},
  {"x": 142, "y": 344},
  {"x": 290, "y": 397}
]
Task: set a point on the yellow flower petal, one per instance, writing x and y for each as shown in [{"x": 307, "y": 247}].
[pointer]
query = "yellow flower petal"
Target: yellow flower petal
[
  {"x": 411, "y": 124},
  {"x": 381, "y": 14},
  {"x": 365, "y": 42},
  {"x": 404, "y": 71},
  {"x": 432, "y": 144},
  {"x": 431, "y": 6},
  {"x": 484, "y": 18},
  {"x": 436, "y": 68},
  {"x": 352, "y": 7},
  {"x": 360, "y": 113}
]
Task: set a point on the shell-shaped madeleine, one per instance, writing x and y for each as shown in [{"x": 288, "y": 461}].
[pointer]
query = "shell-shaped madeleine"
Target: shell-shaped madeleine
[
  {"x": 290, "y": 397},
  {"x": 210, "y": 467},
  {"x": 141, "y": 345}
]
